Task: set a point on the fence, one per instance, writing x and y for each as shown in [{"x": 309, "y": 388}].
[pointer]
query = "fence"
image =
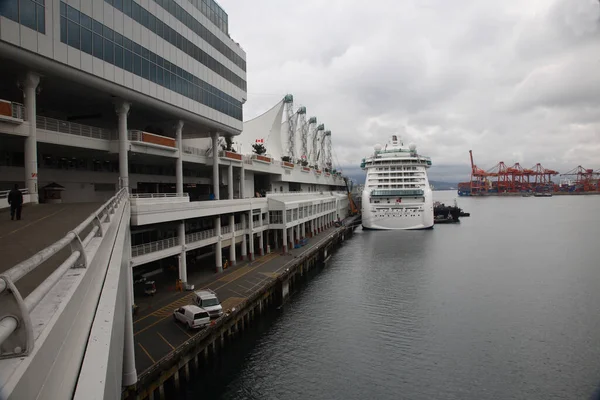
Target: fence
[
  {"x": 154, "y": 246},
  {"x": 157, "y": 195},
  {"x": 13, "y": 305},
  {"x": 4, "y": 193},
  {"x": 55, "y": 125}
]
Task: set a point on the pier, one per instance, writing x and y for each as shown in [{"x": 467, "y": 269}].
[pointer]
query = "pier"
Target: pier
[{"x": 165, "y": 350}]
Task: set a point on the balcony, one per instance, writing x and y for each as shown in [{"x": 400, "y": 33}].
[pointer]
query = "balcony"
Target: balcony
[
  {"x": 153, "y": 140},
  {"x": 287, "y": 164},
  {"x": 71, "y": 128},
  {"x": 397, "y": 193},
  {"x": 12, "y": 112},
  {"x": 230, "y": 155}
]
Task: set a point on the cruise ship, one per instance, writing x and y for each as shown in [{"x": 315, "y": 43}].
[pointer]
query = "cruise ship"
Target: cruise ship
[{"x": 397, "y": 194}]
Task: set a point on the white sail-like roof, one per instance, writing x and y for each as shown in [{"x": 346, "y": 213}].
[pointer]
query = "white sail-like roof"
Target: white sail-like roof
[{"x": 267, "y": 127}]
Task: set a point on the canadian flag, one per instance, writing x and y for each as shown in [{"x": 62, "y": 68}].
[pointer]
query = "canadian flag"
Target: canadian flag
[{"x": 260, "y": 140}]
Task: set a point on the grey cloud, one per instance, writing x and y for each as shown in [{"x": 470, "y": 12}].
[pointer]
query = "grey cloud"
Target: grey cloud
[{"x": 511, "y": 80}]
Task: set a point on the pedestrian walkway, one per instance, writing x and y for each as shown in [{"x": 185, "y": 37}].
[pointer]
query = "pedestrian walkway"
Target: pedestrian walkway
[
  {"x": 156, "y": 334},
  {"x": 40, "y": 226}
]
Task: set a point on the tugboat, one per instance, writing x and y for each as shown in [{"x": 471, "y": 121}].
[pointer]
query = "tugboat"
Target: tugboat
[{"x": 443, "y": 214}]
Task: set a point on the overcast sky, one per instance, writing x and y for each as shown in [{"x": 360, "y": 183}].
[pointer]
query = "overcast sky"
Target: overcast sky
[{"x": 512, "y": 80}]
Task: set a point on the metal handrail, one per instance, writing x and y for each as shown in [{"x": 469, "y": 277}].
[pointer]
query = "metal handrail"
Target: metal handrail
[
  {"x": 198, "y": 236},
  {"x": 154, "y": 246},
  {"x": 157, "y": 195},
  {"x": 18, "y": 110},
  {"x": 56, "y": 125},
  {"x": 9, "y": 322},
  {"x": 4, "y": 193}
]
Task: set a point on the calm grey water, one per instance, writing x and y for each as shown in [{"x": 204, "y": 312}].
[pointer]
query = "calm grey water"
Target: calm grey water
[{"x": 505, "y": 305}]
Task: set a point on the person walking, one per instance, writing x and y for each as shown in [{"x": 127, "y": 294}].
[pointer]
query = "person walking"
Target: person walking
[{"x": 15, "y": 199}]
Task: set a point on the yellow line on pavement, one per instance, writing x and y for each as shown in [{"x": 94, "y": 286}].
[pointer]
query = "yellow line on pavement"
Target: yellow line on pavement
[
  {"x": 166, "y": 341},
  {"x": 267, "y": 259},
  {"x": 31, "y": 223},
  {"x": 148, "y": 354}
]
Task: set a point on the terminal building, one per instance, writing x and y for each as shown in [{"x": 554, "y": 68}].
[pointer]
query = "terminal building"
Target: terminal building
[{"x": 147, "y": 96}]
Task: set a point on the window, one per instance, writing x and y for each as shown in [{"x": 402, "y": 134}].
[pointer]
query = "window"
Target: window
[
  {"x": 86, "y": 40},
  {"x": 104, "y": 44},
  {"x": 29, "y": 13}
]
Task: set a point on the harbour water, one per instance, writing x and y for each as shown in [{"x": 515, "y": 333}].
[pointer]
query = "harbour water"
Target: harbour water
[{"x": 504, "y": 305}]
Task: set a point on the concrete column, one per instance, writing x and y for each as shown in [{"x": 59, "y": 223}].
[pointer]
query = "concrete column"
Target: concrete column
[
  {"x": 232, "y": 256},
  {"x": 179, "y": 164},
  {"x": 276, "y": 233},
  {"x": 244, "y": 241},
  {"x": 182, "y": 256},
  {"x": 230, "y": 181},
  {"x": 215, "y": 147},
  {"x": 29, "y": 87},
  {"x": 297, "y": 233},
  {"x": 303, "y": 233},
  {"x": 251, "y": 236},
  {"x": 218, "y": 245},
  {"x": 243, "y": 181},
  {"x": 122, "y": 110},
  {"x": 261, "y": 243},
  {"x": 284, "y": 240}
]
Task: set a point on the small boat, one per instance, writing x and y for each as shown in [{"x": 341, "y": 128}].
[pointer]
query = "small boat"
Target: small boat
[
  {"x": 542, "y": 194},
  {"x": 526, "y": 195}
]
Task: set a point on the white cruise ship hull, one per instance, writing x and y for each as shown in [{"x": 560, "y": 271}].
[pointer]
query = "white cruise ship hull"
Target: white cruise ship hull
[{"x": 388, "y": 216}]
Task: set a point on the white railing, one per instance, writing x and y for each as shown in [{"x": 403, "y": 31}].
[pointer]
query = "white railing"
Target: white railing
[
  {"x": 225, "y": 229},
  {"x": 154, "y": 246},
  {"x": 18, "y": 110},
  {"x": 239, "y": 226},
  {"x": 195, "y": 151},
  {"x": 135, "y": 136},
  {"x": 4, "y": 193},
  {"x": 197, "y": 236},
  {"x": 247, "y": 159},
  {"x": 156, "y": 195},
  {"x": 56, "y": 125},
  {"x": 15, "y": 311}
]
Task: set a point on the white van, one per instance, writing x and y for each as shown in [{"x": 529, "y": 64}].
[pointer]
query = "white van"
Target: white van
[
  {"x": 193, "y": 316},
  {"x": 208, "y": 300}
]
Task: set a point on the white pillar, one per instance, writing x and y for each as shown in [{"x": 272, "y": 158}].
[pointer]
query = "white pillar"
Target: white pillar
[
  {"x": 284, "y": 240},
  {"x": 182, "y": 257},
  {"x": 122, "y": 110},
  {"x": 276, "y": 234},
  {"x": 29, "y": 85},
  {"x": 232, "y": 257},
  {"x": 303, "y": 230},
  {"x": 261, "y": 242},
  {"x": 251, "y": 235},
  {"x": 230, "y": 180},
  {"x": 215, "y": 145},
  {"x": 243, "y": 181},
  {"x": 218, "y": 245},
  {"x": 179, "y": 165},
  {"x": 297, "y": 233},
  {"x": 244, "y": 241}
]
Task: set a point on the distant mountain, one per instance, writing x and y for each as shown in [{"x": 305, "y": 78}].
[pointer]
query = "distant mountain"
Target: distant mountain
[{"x": 438, "y": 185}]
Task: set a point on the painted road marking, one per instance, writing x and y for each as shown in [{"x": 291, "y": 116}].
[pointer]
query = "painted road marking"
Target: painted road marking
[
  {"x": 166, "y": 341},
  {"x": 232, "y": 302},
  {"x": 223, "y": 285},
  {"x": 182, "y": 330},
  {"x": 169, "y": 308},
  {"x": 234, "y": 275},
  {"x": 31, "y": 223},
  {"x": 148, "y": 354}
]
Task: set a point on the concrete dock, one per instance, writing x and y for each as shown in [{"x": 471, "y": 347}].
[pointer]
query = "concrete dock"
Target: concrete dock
[{"x": 164, "y": 347}]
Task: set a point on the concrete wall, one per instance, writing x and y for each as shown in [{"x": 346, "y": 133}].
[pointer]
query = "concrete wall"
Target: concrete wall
[{"x": 101, "y": 370}]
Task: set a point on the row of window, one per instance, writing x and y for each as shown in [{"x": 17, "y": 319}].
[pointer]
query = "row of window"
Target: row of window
[
  {"x": 29, "y": 13},
  {"x": 213, "y": 12},
  {"x": 144, "y": 17},
  {"x": 398, "y": 169},
  {"x": 90, "y": 36}
]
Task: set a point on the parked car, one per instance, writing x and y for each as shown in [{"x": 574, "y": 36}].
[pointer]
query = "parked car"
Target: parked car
[
  {"x": 208, "y": 300},
  {"x": 193, "y": 316}
]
